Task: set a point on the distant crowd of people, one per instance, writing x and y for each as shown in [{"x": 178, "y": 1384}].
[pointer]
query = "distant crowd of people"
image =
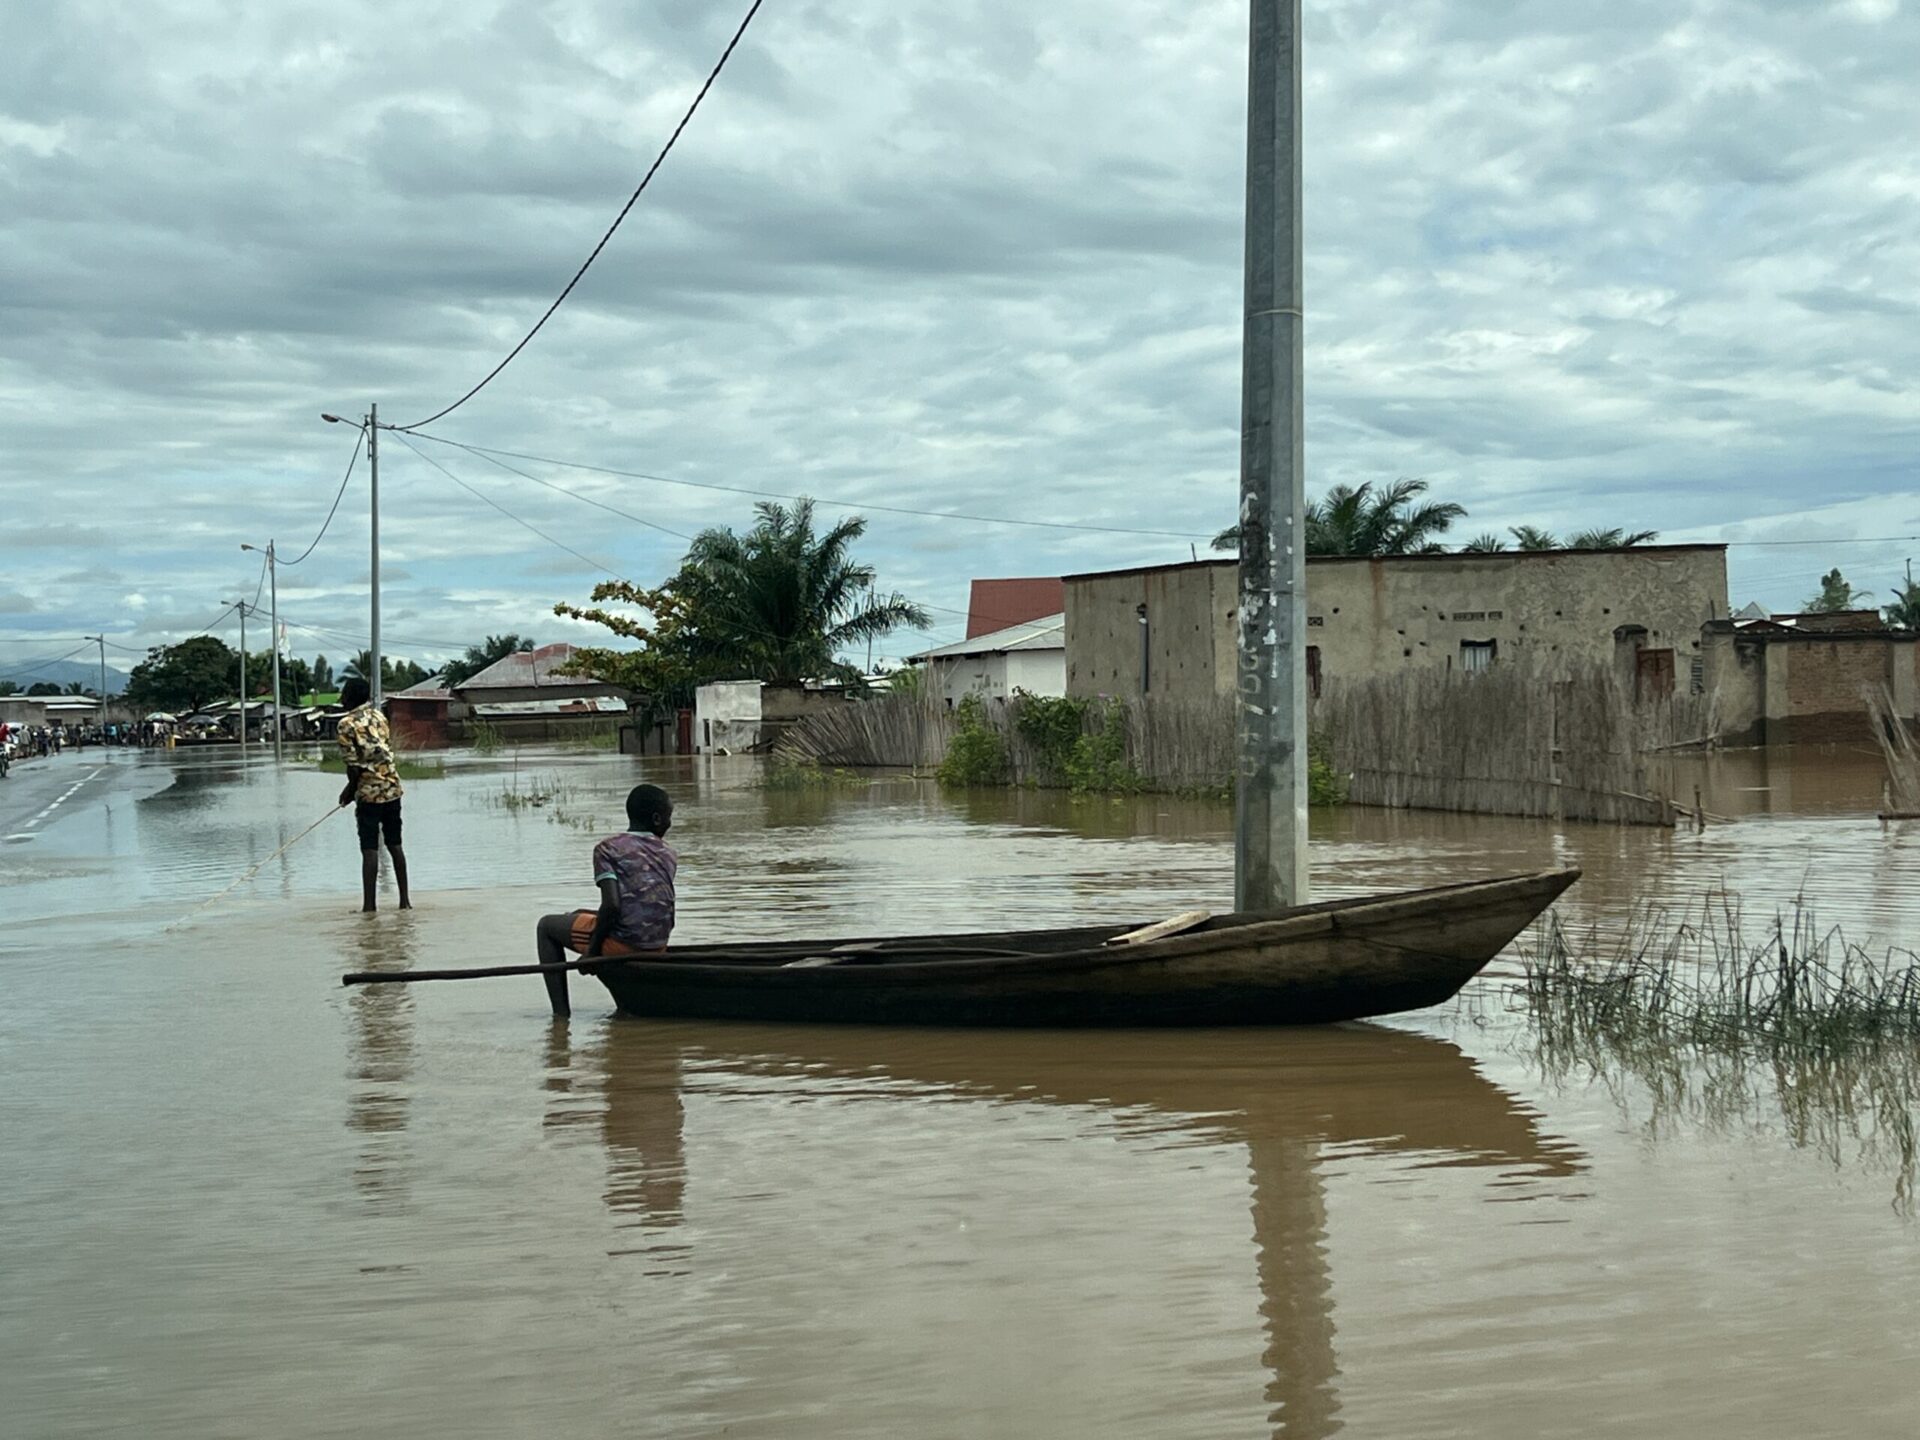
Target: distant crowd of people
[{"x": 19, "y": 742}]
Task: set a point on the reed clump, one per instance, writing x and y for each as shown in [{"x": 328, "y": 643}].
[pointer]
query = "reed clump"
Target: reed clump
[{"x": 1796, "y": 1026}]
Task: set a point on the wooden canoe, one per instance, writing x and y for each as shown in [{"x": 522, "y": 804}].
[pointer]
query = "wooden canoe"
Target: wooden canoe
[{"x": 1339, "y": 960}]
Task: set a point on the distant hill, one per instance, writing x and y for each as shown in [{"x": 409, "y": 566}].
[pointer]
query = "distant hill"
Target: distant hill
[{"x": 60, "y": 672}]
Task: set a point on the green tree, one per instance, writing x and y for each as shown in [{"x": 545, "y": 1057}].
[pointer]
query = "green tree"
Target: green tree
[
  {"x": 1532, "y": 537},
  {"x": 395, "y": 674},
  {"x": 8, "y": 687},
  {"x": 1614, "y": 539},
  {"x": 1359, "y": 520},
  {"x": 322, "y": 674},
  {"x": 77, "y": 687},
  {"x": 1835, "y": 595},
  {"x": 43, "y": 687},
  {"x": 1904, "y": 611},
  {"x": 185, "y": 676},
  {"x": 778, "y": 603},
  {"x": 479, "y": 657},
  {"x": 1485, "y": 544}
]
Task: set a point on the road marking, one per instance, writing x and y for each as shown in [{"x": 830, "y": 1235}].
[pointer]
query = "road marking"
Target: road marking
[{"x": 27, "y": 834}]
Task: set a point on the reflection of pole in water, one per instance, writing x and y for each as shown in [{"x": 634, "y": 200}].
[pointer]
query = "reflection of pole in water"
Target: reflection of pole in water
[
  {"x": 380, "y": 1067},
  {"x": 1296, "y": 1287}
]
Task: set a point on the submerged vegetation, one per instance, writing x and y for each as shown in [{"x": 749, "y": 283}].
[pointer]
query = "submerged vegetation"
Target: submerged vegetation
[
  {"x": 1797, "y": 1026},
  {"x": 784, "y": 774}
]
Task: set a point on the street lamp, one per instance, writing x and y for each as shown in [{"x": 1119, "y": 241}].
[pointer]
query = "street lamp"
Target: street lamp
[
  {"x": 273, "y": 579},
  {"x": 372, "y": 426}
]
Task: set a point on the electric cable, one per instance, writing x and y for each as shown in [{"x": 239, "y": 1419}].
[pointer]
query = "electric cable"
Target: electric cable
[
  {"x": 359, "y": 441},
  {"x": 527, "y": 524},
  {"x": 632, "y": 200},
  {"x": 29, "y": 669},
  {"x": 485, "y": 450}
]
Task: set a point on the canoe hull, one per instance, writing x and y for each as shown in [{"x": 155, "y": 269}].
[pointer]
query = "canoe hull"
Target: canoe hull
[{"x": 1348, "y": 960}]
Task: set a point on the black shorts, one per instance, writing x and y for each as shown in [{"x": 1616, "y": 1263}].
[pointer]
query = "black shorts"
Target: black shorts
[{"x": 372, "y": 819}]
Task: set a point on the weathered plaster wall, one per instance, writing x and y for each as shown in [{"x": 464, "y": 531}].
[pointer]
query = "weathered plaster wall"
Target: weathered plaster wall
[{"x": 1372, "y": 617}]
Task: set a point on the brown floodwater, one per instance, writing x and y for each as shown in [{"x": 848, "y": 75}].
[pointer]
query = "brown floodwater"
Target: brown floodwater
[{"x": 239, "y": 1200}]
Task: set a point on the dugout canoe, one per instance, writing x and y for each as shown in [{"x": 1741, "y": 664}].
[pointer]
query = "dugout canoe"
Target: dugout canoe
[{"x": 1315, "y": 964}]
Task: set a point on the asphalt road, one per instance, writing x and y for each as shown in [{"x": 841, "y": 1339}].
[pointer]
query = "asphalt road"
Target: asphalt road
[{"x": 38, "y": 794}]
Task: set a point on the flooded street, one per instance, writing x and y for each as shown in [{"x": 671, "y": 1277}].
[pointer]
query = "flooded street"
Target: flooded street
[{"x": 243, "y": 1201}]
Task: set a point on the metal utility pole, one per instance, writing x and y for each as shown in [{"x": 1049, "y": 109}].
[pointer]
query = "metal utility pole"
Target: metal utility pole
[
  {"x": 373, "y": 466},
  {"x": 101, "y": 641},
  {"x": 273, "y": 579},
  {"x": 1270, "y": 810},
  {"x": 241, "y": 606},
  {"x": 372, "y": 426}
]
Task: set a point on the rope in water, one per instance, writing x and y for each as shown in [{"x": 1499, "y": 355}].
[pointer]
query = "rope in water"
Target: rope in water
[{"x": 331, "y": 812}]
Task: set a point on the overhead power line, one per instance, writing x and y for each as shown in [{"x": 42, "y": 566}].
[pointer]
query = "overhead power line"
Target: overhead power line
[
  {"x": 359, "y": 441},
  {"x": 486, "y": 450},
  {"x": 632, "y": 200},
  {"x": 38, "y": 665},
  {"x": 489, "y": 500}
]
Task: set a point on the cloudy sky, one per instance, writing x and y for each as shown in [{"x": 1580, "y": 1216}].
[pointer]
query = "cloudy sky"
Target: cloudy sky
[{"x": 1652, "y": 263}]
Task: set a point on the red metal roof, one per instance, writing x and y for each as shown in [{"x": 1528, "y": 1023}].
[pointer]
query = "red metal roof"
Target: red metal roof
[{"x": 997, "y": 604}]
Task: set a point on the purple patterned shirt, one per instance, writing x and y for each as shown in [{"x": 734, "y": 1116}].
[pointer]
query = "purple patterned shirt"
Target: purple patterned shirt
[{"x": 642, "y": 869}]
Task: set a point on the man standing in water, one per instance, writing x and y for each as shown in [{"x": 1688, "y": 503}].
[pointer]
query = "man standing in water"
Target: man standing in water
[
  {"x": 635, "y": 872},
  {"x": 373, "y": 788}
]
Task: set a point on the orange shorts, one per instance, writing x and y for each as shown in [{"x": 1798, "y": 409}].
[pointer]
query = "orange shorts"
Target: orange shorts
[{"x": 580, "y": 935}]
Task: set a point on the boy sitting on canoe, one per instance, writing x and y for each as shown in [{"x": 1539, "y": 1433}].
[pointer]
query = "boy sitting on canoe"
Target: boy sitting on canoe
[{"x": 634, "y": 871}]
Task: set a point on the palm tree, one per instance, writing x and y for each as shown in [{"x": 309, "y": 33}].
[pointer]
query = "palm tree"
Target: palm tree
[
  {"x": 1904, "y": 611},
  {"x": 1359, "y": 520},
  {"x": 1836, "y": 594},
  {"x": 1532, "y": 537},
  {"x": 781, "y": 602},
  {"x": 1485, "y": 544},
  {"x": 1614, "y": 539}
]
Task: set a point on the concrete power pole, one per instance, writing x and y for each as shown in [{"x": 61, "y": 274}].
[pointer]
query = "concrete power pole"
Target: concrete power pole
[
  {"x": 372, "y": 426},
  {"x": 241, "y": 606},
  {"x": 373, "y": 466},
  {"x": 1270, "y": 811},
  {"x": 273, "y": 581},
  {"x": 101, "y": 641}
]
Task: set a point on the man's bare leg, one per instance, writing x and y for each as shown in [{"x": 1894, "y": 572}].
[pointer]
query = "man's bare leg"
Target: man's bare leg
[
  {"x": 400, "y": 874},
  {"x": 369, "y": 878}
]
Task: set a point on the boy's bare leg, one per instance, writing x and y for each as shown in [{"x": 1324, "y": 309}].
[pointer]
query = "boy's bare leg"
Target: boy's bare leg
[
  {"x": 369, "y": 878},
  {"x": 550, "y": 938}
]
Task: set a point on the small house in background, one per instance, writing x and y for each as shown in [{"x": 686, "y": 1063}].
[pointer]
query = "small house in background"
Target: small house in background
[
  {"x": 994, "y": 605},
  {"x": 422, "y": 715},
  {"x": 1030, "y": 657},
  {"x": 1804, "y": 679},
  {"x": 735, "y": 717},
  {"x": 1170, "y": 630},
  {"x": 523, "y": 697}
]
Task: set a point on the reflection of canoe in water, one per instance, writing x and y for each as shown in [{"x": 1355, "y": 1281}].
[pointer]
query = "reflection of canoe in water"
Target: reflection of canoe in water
[
  {"x": 1301, "y": 1102},
  {"x": 1341, "y": 960}
]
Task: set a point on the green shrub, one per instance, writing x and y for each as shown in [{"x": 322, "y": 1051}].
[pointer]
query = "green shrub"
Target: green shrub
[
  {"x": 1097, "y": 762},
  {"x": 1053, "y": 725},
  {"x": 783, "y": 774},
  {"x": 1325, "y": 785},
  {"x": 976, "y": 755}
]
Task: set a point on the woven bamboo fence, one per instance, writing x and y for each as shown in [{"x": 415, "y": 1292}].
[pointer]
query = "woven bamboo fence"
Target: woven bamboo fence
[{"x": 1504, "y": 741}]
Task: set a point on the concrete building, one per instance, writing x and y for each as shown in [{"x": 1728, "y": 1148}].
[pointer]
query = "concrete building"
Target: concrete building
[
  {"x": 735, "y": 716},
  {"x": 1171, "y": 628},
  {"x": 1804, "y": 679},
  {"x": 1031, "y": 657}
]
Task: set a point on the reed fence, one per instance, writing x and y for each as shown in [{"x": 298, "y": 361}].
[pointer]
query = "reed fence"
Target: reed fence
[{"x": 1504, "y": 741}]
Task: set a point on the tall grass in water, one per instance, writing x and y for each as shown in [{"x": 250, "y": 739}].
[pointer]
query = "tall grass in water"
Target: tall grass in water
[{"x": 1718, "y": 1024}]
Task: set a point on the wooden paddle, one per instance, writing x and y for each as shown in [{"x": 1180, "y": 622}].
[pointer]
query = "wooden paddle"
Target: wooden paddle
[
  {"x": 1173, "y": 925},
  {"x": 402, "y": 977}
]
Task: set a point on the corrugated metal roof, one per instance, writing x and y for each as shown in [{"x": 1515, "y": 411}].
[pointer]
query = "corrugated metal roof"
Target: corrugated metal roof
[
  {"x": 997, "y": 604},
  {"x": 527, "y": 668},
  {"x": 1047, "y": 633}
]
